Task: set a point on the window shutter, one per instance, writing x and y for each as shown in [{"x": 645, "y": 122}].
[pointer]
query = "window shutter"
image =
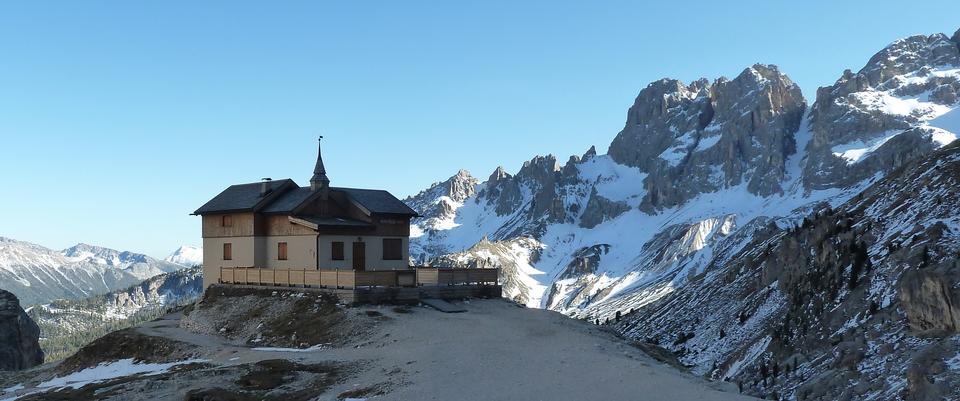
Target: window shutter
[{"x": 392, "y": 249}]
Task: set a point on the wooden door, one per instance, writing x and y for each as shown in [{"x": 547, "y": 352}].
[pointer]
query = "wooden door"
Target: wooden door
[{"x": 359, "y": 256}]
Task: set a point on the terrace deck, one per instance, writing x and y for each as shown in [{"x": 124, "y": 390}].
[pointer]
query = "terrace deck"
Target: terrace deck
[{"x": 351, "y": 286}]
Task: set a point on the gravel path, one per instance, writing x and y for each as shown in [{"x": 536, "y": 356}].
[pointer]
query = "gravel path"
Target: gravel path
[{"x": 494, "y": 351}]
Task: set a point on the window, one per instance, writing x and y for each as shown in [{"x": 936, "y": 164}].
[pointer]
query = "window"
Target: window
[
  {"x": 226, "y": 220},
  {"x": 392, "y": 249},
  {"x": 336, "y": 251},
  {"x": 282, "y": 251},
  {"x": 228, "y": 251}
]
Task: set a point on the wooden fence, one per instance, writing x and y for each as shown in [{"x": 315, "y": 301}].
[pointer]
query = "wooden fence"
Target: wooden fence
[{"x": 354, "y": 279}]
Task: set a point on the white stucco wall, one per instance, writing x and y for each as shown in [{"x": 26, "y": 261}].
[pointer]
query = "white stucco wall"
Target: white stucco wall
[
  {"x": 242, "y": 250},
  {"x": 374, "y": 259},
  {"x": 301, "y": 253}
]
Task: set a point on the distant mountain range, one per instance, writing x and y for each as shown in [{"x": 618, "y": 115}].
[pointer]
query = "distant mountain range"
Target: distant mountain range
[{"x": 36, "y": 274}]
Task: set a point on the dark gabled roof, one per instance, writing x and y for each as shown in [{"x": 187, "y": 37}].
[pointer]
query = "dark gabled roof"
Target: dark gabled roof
[
  {"x": 285, "y": 197},
  {"x": 245, "y": 197},
  {"x": 378, "y": 201},
  {"x": 331, "y": 221},
  {"x": 289, "y": 201}
]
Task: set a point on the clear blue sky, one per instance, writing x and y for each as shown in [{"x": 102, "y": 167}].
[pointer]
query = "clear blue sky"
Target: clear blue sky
[{"x": 118, "y": 119}]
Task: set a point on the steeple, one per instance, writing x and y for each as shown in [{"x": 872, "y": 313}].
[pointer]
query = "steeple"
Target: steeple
[{"x": 319, "y": 179}]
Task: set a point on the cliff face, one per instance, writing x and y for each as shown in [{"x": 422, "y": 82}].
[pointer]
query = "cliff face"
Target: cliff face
[
  {"x": 19, "y": 336},
  {"x": 702, "y": 137}
]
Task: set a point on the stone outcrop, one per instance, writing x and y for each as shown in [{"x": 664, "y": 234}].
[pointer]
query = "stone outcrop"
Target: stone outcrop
[
  {"x": 19, "y": 335},
  {"x": 702, "y": 137},
  {"x": 600, "y": 209},
  {"x": 442, "y": 199},
  {"x": 585, "y": 261},
  {"x": 930, "y": 302}
]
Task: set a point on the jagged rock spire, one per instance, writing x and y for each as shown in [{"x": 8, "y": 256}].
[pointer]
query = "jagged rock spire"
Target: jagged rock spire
[{"x": 319, "y": 179}]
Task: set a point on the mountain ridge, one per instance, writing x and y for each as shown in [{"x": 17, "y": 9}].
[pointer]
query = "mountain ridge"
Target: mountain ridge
[{"x": 37, "y": 274}]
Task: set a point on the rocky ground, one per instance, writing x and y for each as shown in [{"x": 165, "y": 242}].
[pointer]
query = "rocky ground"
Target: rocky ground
[{"x": 272, "y": 345}]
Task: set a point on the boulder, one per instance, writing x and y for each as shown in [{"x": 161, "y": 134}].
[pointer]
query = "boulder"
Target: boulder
[{"x": 19, "y": 336}]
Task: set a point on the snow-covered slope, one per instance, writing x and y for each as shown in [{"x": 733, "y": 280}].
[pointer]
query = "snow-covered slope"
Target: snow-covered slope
[
  {"x": 37, "y": 274},
  {"x": 859, "y": 301},
  {"x": 186, "y": 255}
]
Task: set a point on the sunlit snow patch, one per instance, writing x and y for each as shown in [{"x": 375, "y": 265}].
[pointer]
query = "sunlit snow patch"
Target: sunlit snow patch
[
  {"x": 855, "y": 151},
  {"x": 101, "y": 373},
  {"x": 314, "y": 348}
]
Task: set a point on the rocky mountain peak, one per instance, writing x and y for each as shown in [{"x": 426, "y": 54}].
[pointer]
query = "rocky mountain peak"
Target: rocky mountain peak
[
  {"x": 461, "y": 186},
  {"x": 589, "y": 154},
  {"x": 497, "y": 175},
  {"x": 909, "y": 55},
  {"x": 883, "y": 115},
  {"x": 701, "y": 137},
  {"x": 442, "y": 198}
]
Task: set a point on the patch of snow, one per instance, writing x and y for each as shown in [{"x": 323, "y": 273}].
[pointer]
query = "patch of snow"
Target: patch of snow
[
  {"x": 749, "y": 356},
  {"x": 318, "y": 347},
  {"x": 614, "y": 181},
  {"x": 707, "y": 143},
  {"x": 954, "y": 363},
  {"x": 675, "y": 154},
  {"x": 949, "y": 121},
  {"x": 100, "y": 373},
  {"x": 855, "y": 151}
]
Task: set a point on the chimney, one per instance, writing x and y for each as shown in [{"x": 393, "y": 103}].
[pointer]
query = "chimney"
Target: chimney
[{"x": 265, "y": 186}]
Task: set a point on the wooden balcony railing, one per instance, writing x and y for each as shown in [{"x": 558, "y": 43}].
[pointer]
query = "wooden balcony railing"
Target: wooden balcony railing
[{"x": 419, "y": 276}]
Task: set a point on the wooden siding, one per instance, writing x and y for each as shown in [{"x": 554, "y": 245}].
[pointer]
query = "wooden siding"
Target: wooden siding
[
  {"x": 280, "y": 225},
  {"x": 242, "y": 226}
]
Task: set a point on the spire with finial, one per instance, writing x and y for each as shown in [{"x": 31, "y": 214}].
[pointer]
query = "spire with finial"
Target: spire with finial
[{"x": 319, "y": 179}]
